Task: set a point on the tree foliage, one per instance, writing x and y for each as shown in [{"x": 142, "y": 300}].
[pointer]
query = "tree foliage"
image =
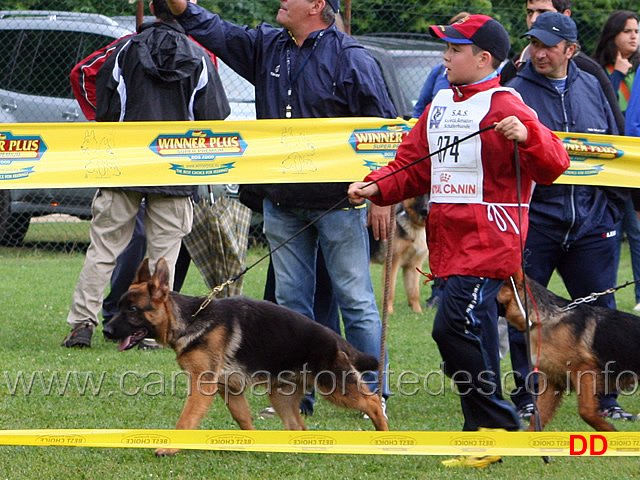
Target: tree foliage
[{"x": 367, "y": 16}]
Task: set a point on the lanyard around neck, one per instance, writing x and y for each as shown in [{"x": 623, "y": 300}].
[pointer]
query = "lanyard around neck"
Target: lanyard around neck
[{"x": 294, "y": 78}]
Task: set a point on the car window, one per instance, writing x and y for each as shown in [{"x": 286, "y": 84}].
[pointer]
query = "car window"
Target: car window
[
  {"x": 42, "y": 59},
  {"x": 412, "y": 71},
  {"x": 9, "y": 57}
]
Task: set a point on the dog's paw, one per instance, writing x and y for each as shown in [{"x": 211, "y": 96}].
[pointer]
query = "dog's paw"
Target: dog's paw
[{"x": 165, "y": 452}]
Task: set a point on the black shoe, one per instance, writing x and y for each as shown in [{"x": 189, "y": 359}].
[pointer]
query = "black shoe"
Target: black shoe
[
  {"x": 80, "y": 336},
  {"x": 433, "y": 302}
]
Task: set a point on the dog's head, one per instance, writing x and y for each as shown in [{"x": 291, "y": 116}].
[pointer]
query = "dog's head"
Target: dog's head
[
  {"x": 141, "y": 310},
  {"x": 507, "y": 298},
  {"x": 417, "y": 209}
]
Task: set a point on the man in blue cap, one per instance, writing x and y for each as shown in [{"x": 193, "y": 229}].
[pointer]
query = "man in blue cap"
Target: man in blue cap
[
  {"x": 309, "y": 69},
  {"x": 572, "y": 227}
]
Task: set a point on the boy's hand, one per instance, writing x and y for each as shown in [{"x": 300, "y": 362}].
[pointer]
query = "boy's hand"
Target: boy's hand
[
  {"x": 513, "y": 129},
  {"x": 359, "y": 191}
]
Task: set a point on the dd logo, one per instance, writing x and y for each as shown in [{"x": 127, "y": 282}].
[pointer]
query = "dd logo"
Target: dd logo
[{"x": 578, "y": 445}]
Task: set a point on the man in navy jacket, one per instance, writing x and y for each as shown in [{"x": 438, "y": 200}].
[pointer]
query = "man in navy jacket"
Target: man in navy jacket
[
  {"x": 308, "y": 69},
  {"x": 572, "y": 227}
]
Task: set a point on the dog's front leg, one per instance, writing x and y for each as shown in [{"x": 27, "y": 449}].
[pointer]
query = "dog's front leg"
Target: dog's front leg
[
  {"x": 411, "y": 279},
  {"x": 203, "y": 385}
]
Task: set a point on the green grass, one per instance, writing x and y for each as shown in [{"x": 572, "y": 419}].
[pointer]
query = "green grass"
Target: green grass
[{"x": 35, "y": 292}]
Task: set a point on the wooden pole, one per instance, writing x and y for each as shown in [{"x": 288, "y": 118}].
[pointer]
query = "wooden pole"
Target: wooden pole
[
  {"x": 347, "y": 16},
  {"x": 139, "y": 13}
]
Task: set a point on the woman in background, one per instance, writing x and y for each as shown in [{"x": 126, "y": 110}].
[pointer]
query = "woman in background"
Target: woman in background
[{"x": 617, "y": 52}]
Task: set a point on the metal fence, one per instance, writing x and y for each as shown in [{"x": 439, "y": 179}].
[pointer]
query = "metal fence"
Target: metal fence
[{"x": 40, "y": 48}]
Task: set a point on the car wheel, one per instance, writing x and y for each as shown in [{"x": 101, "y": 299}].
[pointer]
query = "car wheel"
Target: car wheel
[
  {"x": 5, "y": 205},
  {"x": 13, "y": 227}
]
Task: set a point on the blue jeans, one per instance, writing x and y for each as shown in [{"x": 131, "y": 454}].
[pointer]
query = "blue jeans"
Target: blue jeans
[
  {"x": 630, "y": 224},
  {"x": 343, "y": 237}
]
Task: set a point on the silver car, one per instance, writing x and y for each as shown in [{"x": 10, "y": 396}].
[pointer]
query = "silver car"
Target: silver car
[
  {"x": 41, "y": 47},
  {"x": 39, "y": 50}
]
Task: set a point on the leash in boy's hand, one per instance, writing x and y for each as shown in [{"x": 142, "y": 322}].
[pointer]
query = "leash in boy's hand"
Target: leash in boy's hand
[{"x": 513, "y": 129}]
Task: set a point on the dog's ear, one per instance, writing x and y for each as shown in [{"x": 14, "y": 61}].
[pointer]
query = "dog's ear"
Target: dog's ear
[
  {"x": 507, "y": 297},
  {"x": 143, "y": 274},
  {"x": 505, "y": 294},
  {"x": 518, "y": 278},
  {"x": 159, "y": 283}
]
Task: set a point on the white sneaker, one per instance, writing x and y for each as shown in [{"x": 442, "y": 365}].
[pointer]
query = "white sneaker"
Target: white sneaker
[
  {"x": 267, "y": 412},
  {"x": 637, "y": 308},
  {"x": 383, "y": 401}
]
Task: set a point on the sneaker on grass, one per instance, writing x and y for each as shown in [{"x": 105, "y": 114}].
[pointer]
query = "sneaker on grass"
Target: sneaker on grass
[
  {"x": 79, "y": 336},
  {"x": 616, "y": 413}
]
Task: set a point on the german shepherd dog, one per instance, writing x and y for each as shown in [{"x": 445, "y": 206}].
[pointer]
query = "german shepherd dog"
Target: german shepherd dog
[
  {"x": 587, "y": 348},
  {"x": 235, "y": 342},
  {"x": 409, "y": 249}
]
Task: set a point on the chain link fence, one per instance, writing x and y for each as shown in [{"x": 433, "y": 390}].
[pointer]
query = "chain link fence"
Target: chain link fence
[{"x": 41, "y": 46}]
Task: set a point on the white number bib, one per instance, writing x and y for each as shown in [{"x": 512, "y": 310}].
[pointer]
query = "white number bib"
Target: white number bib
[{"x": 456, "y": 172}]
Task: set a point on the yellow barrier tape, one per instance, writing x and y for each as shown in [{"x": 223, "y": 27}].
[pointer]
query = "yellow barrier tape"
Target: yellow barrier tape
[
  {"x": 54, "y": 155},
  {"x": 370, "y": 443}
]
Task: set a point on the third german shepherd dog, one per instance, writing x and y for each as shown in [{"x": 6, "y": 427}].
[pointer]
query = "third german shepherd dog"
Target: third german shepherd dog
[
  {"x": 409, "y": 249},
  {"x": 235, "y": 342},
  {"x": 588, "y": 349}
]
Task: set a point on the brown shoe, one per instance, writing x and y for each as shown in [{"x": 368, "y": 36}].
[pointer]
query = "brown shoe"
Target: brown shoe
[{"x": 80, "y": 336}]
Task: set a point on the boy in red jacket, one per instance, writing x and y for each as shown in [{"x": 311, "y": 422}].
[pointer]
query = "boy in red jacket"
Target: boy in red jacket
[{"x": 473, "y": 228}]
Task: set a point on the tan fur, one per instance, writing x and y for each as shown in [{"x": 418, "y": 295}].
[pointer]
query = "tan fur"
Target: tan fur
[
  {"x": 562, "y": 355},
  {"x": 208, "y": 355},
  {"x": 409, "y": 253}
]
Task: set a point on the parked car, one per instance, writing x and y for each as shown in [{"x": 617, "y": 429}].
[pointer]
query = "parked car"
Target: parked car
[
  {"x": 41, "y": 47},
  {"x": 39, "y": 50},
  {"x": 406, "y": 61}
]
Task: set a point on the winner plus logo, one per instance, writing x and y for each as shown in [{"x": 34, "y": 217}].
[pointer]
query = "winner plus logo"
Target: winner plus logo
[
  {"x": 18, "y": 154},
  {"x": 202, "y": 147},
  {"x": 16, "y": 148},
  {"x": 384, "y": 140}
]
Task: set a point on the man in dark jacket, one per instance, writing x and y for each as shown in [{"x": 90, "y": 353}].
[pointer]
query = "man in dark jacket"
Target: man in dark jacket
[
  {"x": 572, "y": 227},
  {"x": 308, "y": 69},
  {"x": 534, "y": 9},
  {"x": 158, "y": 74}
]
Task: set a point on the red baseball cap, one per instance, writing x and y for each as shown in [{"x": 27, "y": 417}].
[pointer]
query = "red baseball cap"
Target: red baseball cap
[{"x": 481, "y": 30}]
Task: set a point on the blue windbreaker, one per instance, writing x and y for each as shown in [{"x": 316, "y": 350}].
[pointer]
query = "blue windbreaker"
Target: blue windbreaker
[
  {"x": 583, "y": 107},
  {"x": 330, "y": 75}
]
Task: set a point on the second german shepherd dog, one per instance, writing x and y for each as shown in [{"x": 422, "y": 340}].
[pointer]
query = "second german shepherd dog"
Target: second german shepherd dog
[
  {"x": 235, "y": 342},
  {"x": 588, "y": 349},
  {"x": 409, "y": 249}
]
